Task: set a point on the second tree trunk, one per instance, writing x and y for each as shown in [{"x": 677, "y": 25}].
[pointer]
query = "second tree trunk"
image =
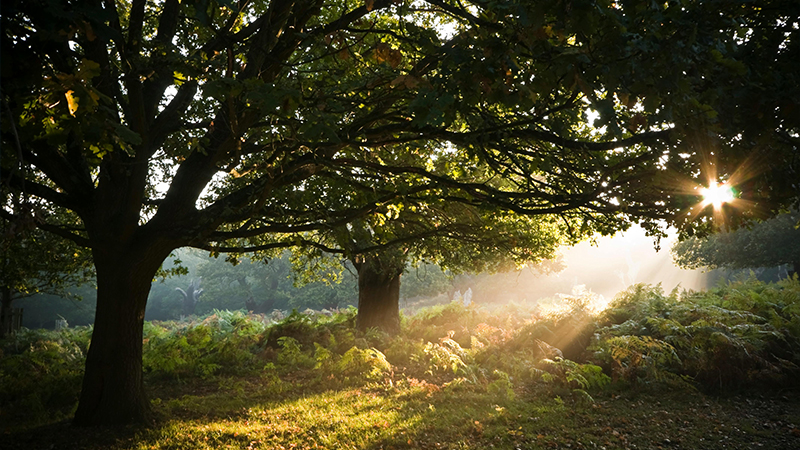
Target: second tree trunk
[{"x": 379, "y": 294}]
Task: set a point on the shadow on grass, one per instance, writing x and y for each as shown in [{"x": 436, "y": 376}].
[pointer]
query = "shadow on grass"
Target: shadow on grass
[
  {"x": 410, "y": 414},
  {"x": 270, "y": 413}
]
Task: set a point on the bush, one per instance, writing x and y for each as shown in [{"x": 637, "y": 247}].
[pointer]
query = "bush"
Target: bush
[
  {"x": 224, "y": 342},
  {"x": 358, "y": 366},
  {"x": 744, "y": 333},
  {"x": 41, "y": 373},
  {"x": 452, "y": 319}
]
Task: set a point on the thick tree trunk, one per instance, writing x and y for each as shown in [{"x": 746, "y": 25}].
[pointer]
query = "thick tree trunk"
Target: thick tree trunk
[
  {"x": 113, "y": 391},
  {"x": 378, "y": 295}
]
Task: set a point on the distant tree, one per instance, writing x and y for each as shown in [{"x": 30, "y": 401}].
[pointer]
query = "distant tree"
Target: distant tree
[
  {"x": 262, "y": 284},
  {"x": 237, "y": 283},
  {"x": 190, "y": 296},
  {"x": 35, "y": 262},
  {"x": 77, "y": 307},
  {"x": 424, "y": 280},
  {"x": 456, "y": 237},
  {"x": 770, "y": 243}
]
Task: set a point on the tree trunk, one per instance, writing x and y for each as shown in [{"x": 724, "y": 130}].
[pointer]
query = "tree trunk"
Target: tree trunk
[
  {"x": 5, "y": 312},
  {"x": 378, "y": 294},
  {"x": 113, "y": 391}
]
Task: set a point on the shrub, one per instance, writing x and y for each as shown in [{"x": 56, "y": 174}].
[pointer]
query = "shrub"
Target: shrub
[
  {"x": 291, "y": 356},
  {"x": 362, "y": 365},
  {"x": 743, "y": 333},
  {"x": 224, "y": 342},
  {"x": 452, "y": 319},
  {"x": 501, "y": 387},
  {"x": 41, "y": 373},
  {"x": 580, "y": 378},
  {"x": 447, "y": 359},
  {"x": 404, "y": 351}
]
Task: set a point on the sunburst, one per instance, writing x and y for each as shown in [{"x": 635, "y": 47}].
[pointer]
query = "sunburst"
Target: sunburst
[{"x": 717, "y": 195}]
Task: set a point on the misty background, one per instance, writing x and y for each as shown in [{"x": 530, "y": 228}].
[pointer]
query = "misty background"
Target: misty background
[{"x": 598, "y": 269}]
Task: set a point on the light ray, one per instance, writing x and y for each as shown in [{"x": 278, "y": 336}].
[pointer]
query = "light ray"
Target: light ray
[{"x": 717, "y": 195}]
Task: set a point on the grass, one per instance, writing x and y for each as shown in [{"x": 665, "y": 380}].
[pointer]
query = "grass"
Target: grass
[
  {"x": 456, "y": 378},
  {"x": 412, "y": 414}
]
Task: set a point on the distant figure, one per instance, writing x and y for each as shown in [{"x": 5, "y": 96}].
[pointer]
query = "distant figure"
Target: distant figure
[
  {"x": 468, "y": 297},
  {"x": 61, "y": 324}
]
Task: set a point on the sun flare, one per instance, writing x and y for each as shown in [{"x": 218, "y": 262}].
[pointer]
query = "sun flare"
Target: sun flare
[{"x": 717, "y": 194}]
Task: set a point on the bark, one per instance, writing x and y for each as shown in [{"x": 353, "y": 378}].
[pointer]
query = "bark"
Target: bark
[
  {"x": 5, "y": 312},
  {"x": 113, "y": 391},
  {"x": 378, "y": 295}
]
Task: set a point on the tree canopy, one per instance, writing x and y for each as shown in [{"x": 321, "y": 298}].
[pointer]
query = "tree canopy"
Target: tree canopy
[
  {"x": 766, "y": 244},
  {"x": 154, "y": 125}
]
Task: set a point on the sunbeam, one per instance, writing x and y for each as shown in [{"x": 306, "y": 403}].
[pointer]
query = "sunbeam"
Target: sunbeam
[{"x": 717, "y": 194}]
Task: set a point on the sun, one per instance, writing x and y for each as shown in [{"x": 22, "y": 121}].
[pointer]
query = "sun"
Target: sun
[{"x": 717, "y": 194}]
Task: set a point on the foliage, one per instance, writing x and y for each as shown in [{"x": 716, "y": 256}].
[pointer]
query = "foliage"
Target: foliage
[
  {"x": 501, "y": 388},
  {"x": 424, "y": 280},
  {"x": 738, "y": 336},
  {"x": 222, "y": 343},
  {"x": 141, "y": 127},
  {"x": 291, "y": 354},
  {"x": 744, "y": 333},
  {"x": 453, "y": 319},
  {"x": 367, "y": 364},
  {"x": 770, "y": 243},
  {"x": 34, "y": 263},
  {"x": 642, "y": 358},
  {"x": 447, "y": 358},
  {"x": 581, "y": 378},
  {"x": 40, "y": 374},
  {"x": 263, "y": 285}
]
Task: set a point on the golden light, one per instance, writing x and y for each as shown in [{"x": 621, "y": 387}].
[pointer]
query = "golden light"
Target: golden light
[{"x": 717, "y": 194}]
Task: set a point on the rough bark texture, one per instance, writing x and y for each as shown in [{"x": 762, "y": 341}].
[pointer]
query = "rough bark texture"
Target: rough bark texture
[
  {"x": 378, "y": 295},
  {"x": 113, "y": 391}
]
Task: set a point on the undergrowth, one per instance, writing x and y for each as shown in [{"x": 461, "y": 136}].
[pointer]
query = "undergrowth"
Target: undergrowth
[{"x": 740, "y": 335}]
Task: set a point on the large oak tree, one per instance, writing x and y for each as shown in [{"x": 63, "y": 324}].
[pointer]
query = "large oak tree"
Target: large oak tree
[{"x": 163, "y": 124}]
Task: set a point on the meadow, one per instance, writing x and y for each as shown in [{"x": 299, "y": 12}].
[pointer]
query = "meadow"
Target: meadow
[{"x": 712, "y": 369}]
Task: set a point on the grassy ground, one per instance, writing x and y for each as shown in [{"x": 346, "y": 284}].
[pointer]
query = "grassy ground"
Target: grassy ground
[
  {"x": 456, "y": 378},
  {"x": 274, "y": 413}
]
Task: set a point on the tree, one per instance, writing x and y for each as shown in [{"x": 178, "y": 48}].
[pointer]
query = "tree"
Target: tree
[
  {"x": 199, "y": 123},
  {"x": 263, "y": 285},
  {"x": 191, "y": 296},
  {"x": 455, "y": 236},
  {"x": 36, "y": 262},
  {"x": 770, "y": 243},
  {"x": 425, "y": 280}
]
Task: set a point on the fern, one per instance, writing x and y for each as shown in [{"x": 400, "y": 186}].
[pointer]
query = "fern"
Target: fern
[
  {"x": 291, "y": 355},
  {"x": 358, "y": 365}
]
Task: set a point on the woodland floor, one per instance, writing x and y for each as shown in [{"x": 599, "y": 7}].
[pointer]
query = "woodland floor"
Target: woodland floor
[{"x": 248, "y": 414}]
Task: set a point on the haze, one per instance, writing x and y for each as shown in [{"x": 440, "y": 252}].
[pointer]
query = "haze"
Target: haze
[{"x": 604, "y": 269}]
